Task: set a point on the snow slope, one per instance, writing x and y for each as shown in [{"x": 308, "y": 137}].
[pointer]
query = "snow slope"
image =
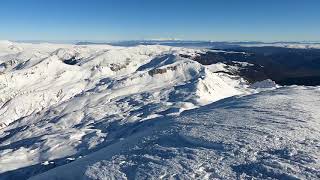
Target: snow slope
[
  {"x": 61, "y": 102},
  {"x": 104, "y": 112},
  {"x": 270, "y": 135},
  {"x": 34, "y": 76}
]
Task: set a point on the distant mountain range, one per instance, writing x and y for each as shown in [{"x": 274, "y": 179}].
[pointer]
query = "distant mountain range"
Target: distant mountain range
[{"x": 203, "y": 44}]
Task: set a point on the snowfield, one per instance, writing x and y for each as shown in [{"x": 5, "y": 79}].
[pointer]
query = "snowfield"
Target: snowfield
[
  {"x": 111, "y": 112},
  {"x": 271, "y": 135}
]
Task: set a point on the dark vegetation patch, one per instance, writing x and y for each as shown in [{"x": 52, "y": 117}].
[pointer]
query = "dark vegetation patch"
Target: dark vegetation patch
[{"x": 284, "y": 65}]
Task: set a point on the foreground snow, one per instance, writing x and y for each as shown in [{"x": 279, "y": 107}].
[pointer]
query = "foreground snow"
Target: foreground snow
[{"x": 271, "y": 135}]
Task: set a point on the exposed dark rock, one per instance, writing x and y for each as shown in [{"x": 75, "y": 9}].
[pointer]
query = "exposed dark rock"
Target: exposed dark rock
[
  {"x": 161, "y": 71},
  {"x": 185, "y": 56},
  {"x": 156, "y": 71},
  {"x": 117, "y": 67},
  {"x": 71, "y": 61}
]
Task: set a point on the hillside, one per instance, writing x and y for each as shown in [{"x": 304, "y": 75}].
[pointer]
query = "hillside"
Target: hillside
[{"x": 271, "y": 135}]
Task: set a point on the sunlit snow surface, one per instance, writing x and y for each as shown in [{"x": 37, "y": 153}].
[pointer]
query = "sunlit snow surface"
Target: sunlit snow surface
[
  {"x": 103, "y": 112},
  {"x": 60, "y": 102},
  {"x": 271, "y": 135}
]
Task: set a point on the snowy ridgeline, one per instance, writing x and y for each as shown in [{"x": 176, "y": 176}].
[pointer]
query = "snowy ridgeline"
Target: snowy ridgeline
[{"x": 60, "y": 103}]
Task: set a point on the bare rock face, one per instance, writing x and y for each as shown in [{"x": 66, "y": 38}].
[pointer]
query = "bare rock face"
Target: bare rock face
[
  {"x": 2, "y": 125},
  {"x": 157, "y": 71},
  {"x": 71, "y": 61},
  {"x": 161, "y": 71},
  {"x": 117, "y": 67}
]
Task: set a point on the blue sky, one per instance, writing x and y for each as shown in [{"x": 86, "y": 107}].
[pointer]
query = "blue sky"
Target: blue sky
[{"x": 266, "y": 20}]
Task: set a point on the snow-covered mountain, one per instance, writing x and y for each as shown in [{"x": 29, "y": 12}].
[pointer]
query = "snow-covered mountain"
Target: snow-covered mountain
[
  {"x": 112, "y": 112},
  {"x": 59, "y": 101},
  {"x": 34, "y": 77}
]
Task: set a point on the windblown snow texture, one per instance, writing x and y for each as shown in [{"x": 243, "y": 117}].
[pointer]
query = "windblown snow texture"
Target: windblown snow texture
[
  {"x": 272, "y": 135},
  {"x": 105, "y": 112}
]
